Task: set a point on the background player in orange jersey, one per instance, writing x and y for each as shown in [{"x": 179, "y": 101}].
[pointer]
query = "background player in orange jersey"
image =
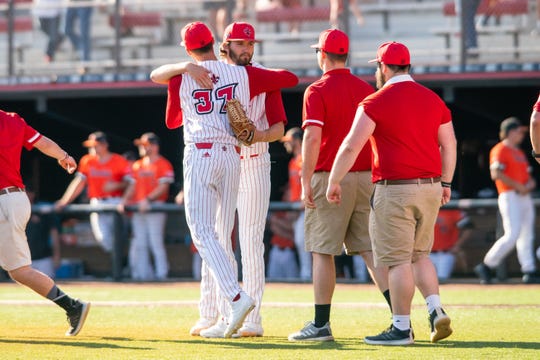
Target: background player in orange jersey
[
  {"x": 151, "y": 177},
  {"x": 510, "y": 170},
  {"x": 106, "y": 174}
]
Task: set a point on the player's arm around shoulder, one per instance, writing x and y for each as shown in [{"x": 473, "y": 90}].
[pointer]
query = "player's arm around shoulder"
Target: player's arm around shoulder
[
  {"x": 164, "y": 73},
  {"x": 265, "y": 80}
]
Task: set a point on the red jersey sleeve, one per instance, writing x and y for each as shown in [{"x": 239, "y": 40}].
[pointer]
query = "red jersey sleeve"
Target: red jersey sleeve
[
  {"x": 313, "y": 112},
  {"x": 447, "y": 115},
  {"x": 173, "y": 117},
  {"x": 536, "y": 106},
  {"x": 31, "y": 136},
  {"x": 275, "y": 112},
  {"x": 266, "y": 80}
]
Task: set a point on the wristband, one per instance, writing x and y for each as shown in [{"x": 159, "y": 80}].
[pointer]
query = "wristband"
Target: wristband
[
  {"x": 446, "y": 184},
  {"x": 535, "y": 155}
]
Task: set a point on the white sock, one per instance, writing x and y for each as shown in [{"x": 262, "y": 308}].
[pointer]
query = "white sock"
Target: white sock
[
  {"x": 401, "y": 322},
  {"x": 433, "y": 302}
]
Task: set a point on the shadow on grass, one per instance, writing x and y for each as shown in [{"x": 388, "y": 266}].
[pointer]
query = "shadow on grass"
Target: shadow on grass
[
  {"x": 74, "y": 343},
  {"x": 271, "y": 342},
  {"x": 481, "y": 344}
]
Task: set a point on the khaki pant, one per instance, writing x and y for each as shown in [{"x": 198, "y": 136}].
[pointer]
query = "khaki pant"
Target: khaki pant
[
  {"x": 15, "y": 212},
  {"x": 402, "y": 222},
  {"x": 329, "y": 227}
]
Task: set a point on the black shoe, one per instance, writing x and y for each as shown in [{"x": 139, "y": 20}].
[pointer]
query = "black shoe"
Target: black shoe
[
  {"x": 440, "y": 325},
  {"x": 530, "y": 278},
  {"x": 484, "y": 273},
  {"x": 76, "y": 317},
  {"x": 391, "y": 336}
]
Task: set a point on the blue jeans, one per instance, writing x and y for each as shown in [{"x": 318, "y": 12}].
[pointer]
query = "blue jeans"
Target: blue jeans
[
  {"x": 51, "y": 27},
  {"x": 81, "y": 40},
  {"x": 470, "y": 7}
]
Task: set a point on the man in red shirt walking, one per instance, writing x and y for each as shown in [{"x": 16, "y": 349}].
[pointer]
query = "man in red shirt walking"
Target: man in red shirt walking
[
  {"x": 15, "y": 210},
  {"x": 329, "y": 107},
  {"x": 414, "y": 153}
]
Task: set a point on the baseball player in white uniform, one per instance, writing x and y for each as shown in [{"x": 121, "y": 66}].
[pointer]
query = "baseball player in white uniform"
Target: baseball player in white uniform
[
  {"x": 212, "y": 156},
  {"x": 268, "y": 114}
]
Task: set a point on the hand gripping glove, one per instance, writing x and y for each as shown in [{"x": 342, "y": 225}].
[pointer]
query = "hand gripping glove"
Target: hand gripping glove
[{"x": 242, "y": 127}]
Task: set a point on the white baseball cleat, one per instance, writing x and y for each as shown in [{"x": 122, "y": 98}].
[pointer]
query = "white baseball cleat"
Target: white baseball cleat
[
  {"x": 201, "y": 324},
  {"x": 239, "y": 310},
  {"x": 249, "y": 330},
  {"x": 215, "y": 331}
]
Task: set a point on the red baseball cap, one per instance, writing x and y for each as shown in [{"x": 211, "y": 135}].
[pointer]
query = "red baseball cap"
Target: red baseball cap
[
  {"x": 239, "y": 31},
  {"x": 196, "y": 35},
  {"x": 393, "y": 53},
  {"x": 333, "y": 41}
]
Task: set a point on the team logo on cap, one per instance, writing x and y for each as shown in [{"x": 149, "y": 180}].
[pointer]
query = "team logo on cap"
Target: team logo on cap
[{"x": 247, "y": 32}]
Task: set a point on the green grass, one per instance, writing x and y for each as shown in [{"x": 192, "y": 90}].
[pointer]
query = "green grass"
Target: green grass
[{"x": 490, "y": 322}]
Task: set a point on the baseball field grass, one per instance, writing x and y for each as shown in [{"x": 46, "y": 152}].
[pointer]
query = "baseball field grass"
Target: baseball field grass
[{"x": 151, "y": 321}]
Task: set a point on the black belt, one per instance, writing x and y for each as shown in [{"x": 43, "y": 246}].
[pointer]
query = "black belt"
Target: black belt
[
  {"x": 10, "y": 189},
  {"x": 409, "y": 181}
]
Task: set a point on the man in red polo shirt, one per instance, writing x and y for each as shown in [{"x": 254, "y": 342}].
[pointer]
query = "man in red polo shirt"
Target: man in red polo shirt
[
  {"x": 15, "y": 209},
  {"x": 535, "y": 138},
  {"x": 414, "y": 153},
  {"x": 329, "y": 107},
  {"x": 535, "y": 132}
]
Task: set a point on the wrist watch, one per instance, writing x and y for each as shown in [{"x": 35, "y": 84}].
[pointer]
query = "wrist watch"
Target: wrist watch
[{"x": 535, "y": 155}]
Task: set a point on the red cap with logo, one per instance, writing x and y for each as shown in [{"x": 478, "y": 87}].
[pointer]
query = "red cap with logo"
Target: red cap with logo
[
  {"x": 239, "y": 31},
  {"x": 333, "y": 41},
  {"x": 393, "y": 53},
  {"x": 196, "y": 35}
]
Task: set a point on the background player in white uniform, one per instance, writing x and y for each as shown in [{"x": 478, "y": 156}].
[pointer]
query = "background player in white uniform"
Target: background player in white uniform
[{"x": 211, "y": 157}]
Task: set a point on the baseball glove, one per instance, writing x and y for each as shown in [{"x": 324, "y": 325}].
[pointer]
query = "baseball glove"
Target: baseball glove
[{"x": 242, "y": 126}]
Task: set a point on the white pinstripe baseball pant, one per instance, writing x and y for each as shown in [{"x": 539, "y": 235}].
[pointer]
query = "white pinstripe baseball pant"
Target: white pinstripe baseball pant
[
  {"x": 253, "y": 202},
  {"x": 210, "y": 191}
]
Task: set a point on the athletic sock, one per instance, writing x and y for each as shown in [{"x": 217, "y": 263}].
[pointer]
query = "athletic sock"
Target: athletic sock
[
  {"x": 401, "y": 322},
  {"x": 322, "y": 315},
  {"x": 386, "y": 294},
  {"x": 60, "y": 298},
  {"x": 433, "y": 302}
]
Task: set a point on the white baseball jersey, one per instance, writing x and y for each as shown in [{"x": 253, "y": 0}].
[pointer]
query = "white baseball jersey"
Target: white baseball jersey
[{"x": 205, "y": 116}]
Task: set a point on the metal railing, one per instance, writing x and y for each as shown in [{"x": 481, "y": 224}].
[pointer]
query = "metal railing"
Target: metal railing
[{"x": 118, "y": 251}]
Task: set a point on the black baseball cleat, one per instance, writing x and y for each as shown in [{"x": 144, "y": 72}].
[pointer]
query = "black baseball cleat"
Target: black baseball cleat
[
  {"x": 391, "y": 336},
  {"x": 484, "y": 273},
  {"x": 76, "y": 317}
]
